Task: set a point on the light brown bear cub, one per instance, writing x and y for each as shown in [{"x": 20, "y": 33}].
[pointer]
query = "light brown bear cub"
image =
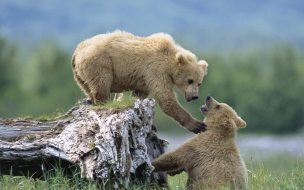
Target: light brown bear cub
[
  {"x": 211, "y": 159},
  {"x": 119, "y": 61}
]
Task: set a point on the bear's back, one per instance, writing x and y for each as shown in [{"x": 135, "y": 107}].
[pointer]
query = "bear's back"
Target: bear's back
[{"x": 120, "y": 41}]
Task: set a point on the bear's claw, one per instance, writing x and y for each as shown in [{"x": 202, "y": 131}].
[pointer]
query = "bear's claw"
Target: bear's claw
[{"x": 199, "y": 127}]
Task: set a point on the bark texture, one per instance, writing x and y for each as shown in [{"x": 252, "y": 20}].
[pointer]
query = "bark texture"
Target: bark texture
[{"x": 117, "y": 146}]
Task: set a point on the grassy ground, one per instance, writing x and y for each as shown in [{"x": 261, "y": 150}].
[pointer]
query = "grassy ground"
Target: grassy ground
[
  {"x": 277, "y": 172},
  {"x": 281, "y": 171}
]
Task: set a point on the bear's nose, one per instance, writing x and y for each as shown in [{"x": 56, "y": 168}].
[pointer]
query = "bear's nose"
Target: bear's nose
[{"x": 194, "y": 97}]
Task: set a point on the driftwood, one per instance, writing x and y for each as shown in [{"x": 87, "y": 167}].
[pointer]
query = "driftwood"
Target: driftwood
[{"x": 104, "y": 144}]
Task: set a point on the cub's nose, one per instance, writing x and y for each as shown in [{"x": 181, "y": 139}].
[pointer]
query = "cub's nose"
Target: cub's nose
[
  {"x": 194, "y": 97},
  {"x": 204, "y": 108}
]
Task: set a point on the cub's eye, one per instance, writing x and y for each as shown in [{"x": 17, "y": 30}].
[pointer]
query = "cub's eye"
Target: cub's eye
[
  {"x": 199, "y": 84},
  {"x": 217, "y": 107},
  {"x": 190, "y": 81}
]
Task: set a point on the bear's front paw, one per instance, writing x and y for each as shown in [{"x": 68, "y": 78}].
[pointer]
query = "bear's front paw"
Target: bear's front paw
[
  {"x": 198, "y": 127},
  {"x": 85, "y": 102},
  {"x": 175, "y": 172}
]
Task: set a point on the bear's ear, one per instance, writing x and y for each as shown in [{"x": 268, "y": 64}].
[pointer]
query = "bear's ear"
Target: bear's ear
[
  {"x": 203, "y": 64},
  {"x": 181, "y": 58},
  {"x": 240, "y": 123}
]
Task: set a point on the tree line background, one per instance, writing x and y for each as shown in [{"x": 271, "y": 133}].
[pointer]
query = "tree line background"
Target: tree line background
[{"x": 264, "y": 85}]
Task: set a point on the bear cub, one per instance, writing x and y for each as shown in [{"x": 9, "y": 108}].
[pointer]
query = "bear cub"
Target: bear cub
[{"x": 211, "y": 159}]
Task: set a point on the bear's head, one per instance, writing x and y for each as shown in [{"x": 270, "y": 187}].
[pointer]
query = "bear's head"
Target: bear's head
[
  {"x": 220, "y": 115},
  {"x": 189, "y": 74}
]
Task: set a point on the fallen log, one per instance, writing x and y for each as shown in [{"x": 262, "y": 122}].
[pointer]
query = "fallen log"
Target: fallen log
[{"x": 105, "y": 144}]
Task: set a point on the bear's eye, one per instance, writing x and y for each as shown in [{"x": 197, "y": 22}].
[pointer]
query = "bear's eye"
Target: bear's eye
[
  {"x": 199, "y": 84},
  {"x": 190, "y": 81},
  {"x": 217, "y": 107}
]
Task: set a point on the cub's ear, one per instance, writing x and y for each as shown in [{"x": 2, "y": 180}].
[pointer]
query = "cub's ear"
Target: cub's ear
[
  {"x": 181, "y": 58},
  {"x": 203, "y": 64},
  {"x": 231, "y": 124},
  {"x": 240, "y": 123}
]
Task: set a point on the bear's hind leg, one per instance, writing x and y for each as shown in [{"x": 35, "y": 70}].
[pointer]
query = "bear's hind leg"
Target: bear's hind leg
[
  {"x": 101, "y": 88},
  {"x": 141, "y": 94},
  {"x": 84, "y": 86}
]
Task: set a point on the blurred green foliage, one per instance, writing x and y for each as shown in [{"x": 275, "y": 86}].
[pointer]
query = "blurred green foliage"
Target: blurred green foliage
[
  {"x": 265, "y": 86},
  {"x": 40, "y": 85}
]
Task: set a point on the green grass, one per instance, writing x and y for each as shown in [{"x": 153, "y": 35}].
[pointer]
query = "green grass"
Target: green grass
[
  {"x": 127, "y": 101},
  {"x": 50, "y": 117},
  {"x": 263, "y": 178},
  {"x": 282, "y": 171},
  {"x": 54, "y": 181},
  {"x": 178, "y": 181},
  {"x": 276, "y": 172}
]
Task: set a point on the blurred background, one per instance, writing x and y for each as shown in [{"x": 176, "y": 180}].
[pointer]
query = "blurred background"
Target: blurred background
[{"x": 254, "y": 50}]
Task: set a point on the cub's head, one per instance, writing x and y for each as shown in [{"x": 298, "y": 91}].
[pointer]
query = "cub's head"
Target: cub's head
[
  {"x": 220, "y": 115},
  {"x": 188, "y": 74}
]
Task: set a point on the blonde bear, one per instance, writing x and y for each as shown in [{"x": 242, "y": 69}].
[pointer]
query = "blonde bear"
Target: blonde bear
[
  {"x": 211, "y": 159},
  {"x": 119, "y": 61}
]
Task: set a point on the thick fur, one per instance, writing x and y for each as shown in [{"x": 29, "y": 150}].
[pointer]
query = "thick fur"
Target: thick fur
[
  {"x": 119, "y": 61},
  {"x": 211, "y": 159}
]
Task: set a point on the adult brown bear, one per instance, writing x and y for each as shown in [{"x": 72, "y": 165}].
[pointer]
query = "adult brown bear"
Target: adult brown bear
[{"x": 119, "y": 61}]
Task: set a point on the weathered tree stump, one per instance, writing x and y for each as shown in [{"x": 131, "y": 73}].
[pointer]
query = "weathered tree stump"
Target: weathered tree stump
[{"x": 105, "y": 144}]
